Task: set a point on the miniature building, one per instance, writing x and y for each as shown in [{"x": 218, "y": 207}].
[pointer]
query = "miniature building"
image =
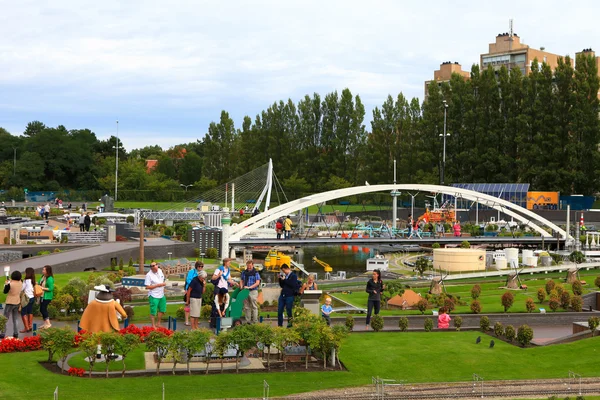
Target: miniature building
[
  {"x": 408, "y": 300},
  {"x": 459, "y": 260}
]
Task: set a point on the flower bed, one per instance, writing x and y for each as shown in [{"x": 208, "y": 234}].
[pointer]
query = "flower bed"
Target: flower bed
[
  {"x": 144, "y": 331},
  {"x": 12, "y": 345}
]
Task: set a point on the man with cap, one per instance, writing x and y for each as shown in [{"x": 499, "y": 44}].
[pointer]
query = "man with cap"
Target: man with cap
[
  {"x": 289, "y": 285},
  {"x": 155, "y": 283},
  {"x": 101, "y": 314}
]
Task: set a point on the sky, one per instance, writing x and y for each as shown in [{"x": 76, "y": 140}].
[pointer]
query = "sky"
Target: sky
[{"x": 166, "y": 69}]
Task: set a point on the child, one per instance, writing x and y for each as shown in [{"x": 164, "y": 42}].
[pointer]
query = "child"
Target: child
[
  {"x": 326, "y": 310},
  {"x": 443, "y": 319},
  {"x": 219, "y": 306}
]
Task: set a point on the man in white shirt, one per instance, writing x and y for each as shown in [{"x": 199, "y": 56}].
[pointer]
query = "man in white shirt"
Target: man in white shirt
[{"x": 155, "y": 283}]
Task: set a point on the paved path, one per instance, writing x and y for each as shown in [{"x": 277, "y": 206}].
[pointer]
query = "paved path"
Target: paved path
[{"x": 79, "y": 253}]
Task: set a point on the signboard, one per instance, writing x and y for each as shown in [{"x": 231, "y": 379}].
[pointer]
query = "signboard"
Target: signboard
[{"x": 542, "y": 200}]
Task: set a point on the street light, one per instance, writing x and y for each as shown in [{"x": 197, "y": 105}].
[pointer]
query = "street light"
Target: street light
[
  {"x": 117, "y": 163},
  {"x": 185, "y": 186},
  {"x": 444, "y": 135}
]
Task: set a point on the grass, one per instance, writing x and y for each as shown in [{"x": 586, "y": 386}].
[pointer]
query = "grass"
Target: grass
[
  {"x": 134, "y": 361},
  {"x": 414, "y": 357}
]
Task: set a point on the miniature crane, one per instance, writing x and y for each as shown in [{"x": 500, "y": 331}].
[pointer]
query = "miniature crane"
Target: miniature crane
[{"x": 326, "y": 267}]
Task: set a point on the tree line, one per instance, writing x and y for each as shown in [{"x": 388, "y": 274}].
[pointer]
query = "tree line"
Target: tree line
[{"x": 542, "y": 128}]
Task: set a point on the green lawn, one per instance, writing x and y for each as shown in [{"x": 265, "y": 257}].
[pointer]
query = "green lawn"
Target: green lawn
[
  {"x": 414, "y": 357},
  {"x": 134, "y": 361}
]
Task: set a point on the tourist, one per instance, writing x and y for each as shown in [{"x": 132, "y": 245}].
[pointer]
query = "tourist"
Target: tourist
[
  {"x": 456, "y": 229},
  {"x": 219, "y": 306},
  {"x": 155, "y": 283},
  {"x": 47, "y": 211},
  {"x": 219, "y": 281},
  {"x": 374, "y": 289},
  {"x": 226, "y": 271},
  {"x": 192, "y": 273},
  {"x": 87, "y": 222},
  {"x": 12, "y": 289},
  {"x": 194, "y": 293},
  {"x": 439, "y": 228},
  {"x": 82, "y": 222},
  {"x": 287, "y": 225},
  {"x": 409, "y": 223},
  {"x": 415, "y": 230},
  {"x": 47, "y": 284},
  {"x": 310, "y": 284},
  {"x": 289, "y": 285},
  {"x": 250, "y": 280},
  {"x": 27, "y": 311},
  {"x": 279, "y": 228},
  {"x": 326, "y": 311},
  {"x": 443, "y": 319}
]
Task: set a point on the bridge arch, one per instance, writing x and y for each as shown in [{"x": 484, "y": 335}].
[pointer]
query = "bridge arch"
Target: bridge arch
[{"x": 517, "y": 212}]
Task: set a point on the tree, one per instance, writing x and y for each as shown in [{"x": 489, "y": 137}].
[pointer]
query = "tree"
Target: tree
[
  {"x": 242, "y": 340},
  {"x": 126, "y": 345},
  {"x": 498, "y": 329},
  {"x": 577, "y": 257},
  {"x": 422, "y": 265},
  {"x": 57, "y": 341},
  {"x": 577, "y": 288},
  {"x": 428, "y": 324},
  {"x": 597, "y": 282},
  {"x": 222, "y": 344},
  {"x": 565, "y": 300},
  {"x": 475, "y": 292},
  {"x": 110, "y": 342},
  {"x": 403, "y": 324},
  {"x": 458, "y": 322},
  {"x": 524, "y": 335},
  {"x": 321, "y": 340},
  {"x": 593, "y": 323},
  {"x": 89, "y": 347},
  {"x": 576, "y": 303},
  {"x": 509, "y": 333},
  {"x": 484, "y": 323},
  {"x": 550, "y": 284},
  {"x": 529, "y": 305},
  {"x": 283, "y": 338},
  {"x": 296, "y": 186},
  {"x": 553, "y": 303},
  {"x": 422, "y": 305},
  {"x": 264, "y": 333},
  {"x": 304, "y": 325},
  {"x": 176, "y": 348},
  {"x": 158, "y": 342},
  {"x": 507, "y": 300},
  {"x": 190, "y": 169},
  {"x": 476, "y": 306},
  {"x": 541, "y": 295},
  {"x": 377, "y": 323}
]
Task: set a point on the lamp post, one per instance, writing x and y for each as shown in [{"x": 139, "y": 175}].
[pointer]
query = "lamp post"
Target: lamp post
[
  {"x": 117, "y": 163},
  {"x": 444, "y": 153},
  {"x": 185, "y": 186}
]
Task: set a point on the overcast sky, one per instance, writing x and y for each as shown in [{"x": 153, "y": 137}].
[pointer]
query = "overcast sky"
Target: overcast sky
[{"x": 166, "y": 69}]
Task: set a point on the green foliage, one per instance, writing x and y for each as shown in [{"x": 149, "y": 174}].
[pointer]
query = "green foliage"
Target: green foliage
[
  {"x": 475, "y": 306},
  {"x": 550, "y": 285},
  {"x": 541, "y": 295},
  {"x": 422, "y": 265},
  {"x": 475, "y": 292},
  {"x": 180, "y": 313},
  {"x": 243, "y": 339},
  {"x": 498, "y": 329},
  {"x": 484, "y": 323},
  {"x": 349, "y": 322},
  {"x": 465, "y": 244},
  {"x": 509, "y": 333},
  {"x": 89, "y": 347},
  {"x": 507, "y": 300},
  {"x": 576, "y": 303},
  {"x": 529, "y": 305},
  {"x": 212, "y": 252},
  {"x": 524, "y": 335},
  {"x": 121, "y": 263},
  {"x": 565, "y": 299},
  {"x": 554, "y": 303},
  {"x": 422, "y": 305},
  {"x": 377, "y": 323},
  {"x": 577, "y": 288},
  {"x": 597, "y": 282},
  {"x": 428, "y": 324},
  {"x": 3, "y": 321},
  {"x": 403, "y": 324},
  {"x": 57, "y": 341},
  {"x": 130, "y": 219},
  {"x": 593, "y": 323},
  {"x": 111, "y": 343},
  {"x": 158, "y": 343},
  {"x": 126, "y": 345},
  {"x": 436, "y": 245},
  {"x": 458, "y": 322},
  {"x": 577, "y": 257}
]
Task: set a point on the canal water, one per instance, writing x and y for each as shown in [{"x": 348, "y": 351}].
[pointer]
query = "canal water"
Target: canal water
[{"x": 352, "y": 259}]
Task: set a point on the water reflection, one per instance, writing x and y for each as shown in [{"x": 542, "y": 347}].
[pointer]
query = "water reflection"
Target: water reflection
[{"x": 352, "y": 259}]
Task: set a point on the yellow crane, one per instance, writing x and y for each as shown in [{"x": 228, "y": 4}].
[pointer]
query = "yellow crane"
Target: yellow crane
[
  {"x": 275, "y": 259},
  {"x": 326, "y": 267}
]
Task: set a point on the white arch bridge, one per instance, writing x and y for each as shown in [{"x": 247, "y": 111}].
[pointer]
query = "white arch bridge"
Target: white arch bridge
[{"x": 233, "y": 234}]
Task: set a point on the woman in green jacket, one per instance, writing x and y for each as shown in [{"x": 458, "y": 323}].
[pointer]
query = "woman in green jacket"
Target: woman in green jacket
[{"x": 47, "y": 284}]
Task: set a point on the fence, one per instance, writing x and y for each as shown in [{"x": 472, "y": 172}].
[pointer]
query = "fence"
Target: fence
[{"x": 86, "y": 237}]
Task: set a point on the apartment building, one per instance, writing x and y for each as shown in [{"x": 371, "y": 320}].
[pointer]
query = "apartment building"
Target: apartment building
[{"x": 445, "y": 73}]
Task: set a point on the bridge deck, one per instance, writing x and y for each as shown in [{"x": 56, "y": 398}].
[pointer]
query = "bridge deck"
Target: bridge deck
[{"x": 525, "y": 241}]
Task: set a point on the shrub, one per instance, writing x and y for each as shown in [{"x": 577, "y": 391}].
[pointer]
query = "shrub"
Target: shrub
[
  {"x": 57, "y": 341},
  {"x": 475, "y": 307},
  {"x": 205, "y": 312},
  {"x": 422, "y": 305},
  {"x": 597, "y": 282},
  {"x": 377, "y": 323},
  {"x": 593, "y": 323},
  {"x": 121, "y": 264},
  {"x": 484, "y": 323},
  {"x": 507, "y": 300},
  {"x": 458, "y": 322},
  {"x": 475, "y": 292},
  {"x": 123, "y": 294},
  {"x": 524, "y": 335},
  {"x": 553, "y": 303},
  {"x": 449, "y": 304},
  {"x": 465, "y": 244},
  {"x": 349, "y": 323},
  {"x": 130, "y": 263},
  {"x": 3, "y": 321},
  {"x": 529, "y": 305},
  {"x": 576, "y": 303},
  {"x": 180, "y": 313},
  {"x": 403, "y": 324},
  {"x": 549, "y": 286},
  {"x": 559, "y": 288},
  {"x": 428, "y": 325},
  {"x": 565, "y": 300},
  {"x": 212, "y": 253},
  {"x": 509, "y": 333},
  {"x": 498, "y": 329},
  {"x": 577, "y": 288},
  {"x": 129, "y": 311},
  {"x": 577, "y": 257},
  {"x": 541, "y": 295},
  {"x": 130, "y": 219},
  {"x": 113, "y": 264},
  {"x": 435, "y": 246}
]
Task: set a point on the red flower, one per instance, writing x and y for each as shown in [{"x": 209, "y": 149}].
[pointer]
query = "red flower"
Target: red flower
[{"x": 76, "y": 371}]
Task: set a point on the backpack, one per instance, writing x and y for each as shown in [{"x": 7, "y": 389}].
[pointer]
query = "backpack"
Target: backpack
[
  {"x": 298, "y": 287},
  {"x": 279, "y": 225}
]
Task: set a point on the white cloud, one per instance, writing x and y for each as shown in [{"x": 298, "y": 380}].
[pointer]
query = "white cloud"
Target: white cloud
[{"x": 169, "y": 64}]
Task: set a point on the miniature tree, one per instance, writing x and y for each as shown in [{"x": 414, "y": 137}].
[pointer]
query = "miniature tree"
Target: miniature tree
[
  {"x": 126, "y": 345},
  {"x": 403, "y": 324},
  {"x": 110, "y": 342},
  {"x": 597, "y": 282},
  {"x": 541, "y": 295},
  {"x": 550, "y": 284},
  {"x": 458, "y": 322},
  {"x": 484, "y": 323},
  {"x": 524, "y": 335},
  {"x": 349, "y": 323},
  {"x": 130, "y": 264},
  {"x": 158, "y": 342},
  {"x": 283, "y": 338},
  {"x": 243, "y": 340},
  {"x": 422, "y": 305},
  {"x": 475, "y": 292},
  {"x": 553, "y": 303},
  {"x": 465, "y": 244},
  {"x": 377, "y": 323},
  {"x": 529, "y": 305},
  {"x": 577, "y": 288},
  {"x": 565, "y": 300},
  {"x": 593, "y": 323},
  {"x": 321, "y": 340},
  {"x": 222, "y": 343},
  {"x": 428, "y": 325},
  {"x": 89, "y": 347},
  {"x": 509, "y": 333},
  {"x": 577, "y": 257},
  {"x": 121, "y": 264},
  {"x": 58, "y": 341},
  {"x": 475, "y": 306},
  {"x": 498, "y": 329},
  {"x": 175, "y": 349},
  {"x": 507, "y": 300},
  {"x": 339, "y": 334},
  {"x": 304, "y": 324},
  {"x": 576, "y": 303}
]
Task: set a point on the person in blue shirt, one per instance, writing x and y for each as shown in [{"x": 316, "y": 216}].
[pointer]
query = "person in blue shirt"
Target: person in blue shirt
[
  {"x": 289, "y": 285},
  {"x": 192, "y": 273},
  {"x": 251, "y": 281},
  {"x": 326, "y": 310}
]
